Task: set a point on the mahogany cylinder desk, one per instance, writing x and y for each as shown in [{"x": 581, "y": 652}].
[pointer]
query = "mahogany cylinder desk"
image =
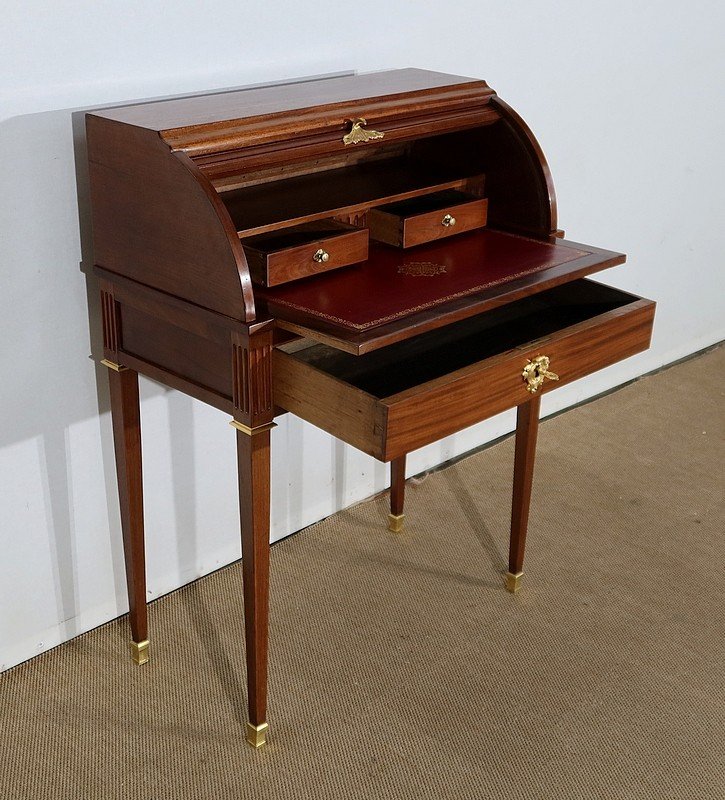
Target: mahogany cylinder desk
[{"x": 378, "y": 254}]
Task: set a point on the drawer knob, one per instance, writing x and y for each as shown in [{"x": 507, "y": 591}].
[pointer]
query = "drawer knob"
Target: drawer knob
[
  {"x": 321, "y": 256},
  {"x": 536, "y": 372},
  {"x": 448, "y": 221},
  {"x": 359, "y": 134}
]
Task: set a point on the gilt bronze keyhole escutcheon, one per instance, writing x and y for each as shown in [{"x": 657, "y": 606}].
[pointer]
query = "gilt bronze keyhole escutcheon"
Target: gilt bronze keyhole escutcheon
[
  {"x": 358, "y": 133},
  {"x": 536, "y": 372}
]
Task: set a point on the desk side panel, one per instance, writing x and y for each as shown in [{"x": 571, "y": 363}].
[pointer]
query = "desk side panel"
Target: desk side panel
[
  {"x": 519, "y": 186},
  {"x": 157, "y": 221},
  {"x": 518, "y": 180}
]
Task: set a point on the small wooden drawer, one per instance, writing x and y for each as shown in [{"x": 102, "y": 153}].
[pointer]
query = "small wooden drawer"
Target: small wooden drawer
[
  {"x": 427, "y": 218},
  {"x": 410, "y": 394},
  {"x": 303, "y": 250}
]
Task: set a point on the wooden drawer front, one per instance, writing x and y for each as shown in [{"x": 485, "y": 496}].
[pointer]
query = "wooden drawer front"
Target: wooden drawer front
[
  {"x": 405, "y": 224},
  {"x": 389, "y": 425},
  {"x": 304, "y": 250},
  {"x": 438, "y": 409}
]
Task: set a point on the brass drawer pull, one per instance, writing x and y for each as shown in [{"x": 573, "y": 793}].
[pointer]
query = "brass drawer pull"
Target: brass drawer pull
[
  {"x": 448, "y": 221},
  {"x": 535, "y": 373},
  {"x": 358, "y": 134},
  {"x": 321, "y": 256}
]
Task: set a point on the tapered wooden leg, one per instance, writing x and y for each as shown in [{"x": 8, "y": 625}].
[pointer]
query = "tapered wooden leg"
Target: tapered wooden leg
[
  {"x": 397, "y": 494},
  {"x": 253, "y": 462},
  {"x": 126, "y": 417},
  {"x": 527, "y": 425}
]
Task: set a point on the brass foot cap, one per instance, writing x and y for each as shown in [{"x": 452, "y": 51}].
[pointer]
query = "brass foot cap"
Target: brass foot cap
[
  {"x": 395, "y": 522},
  {"x": 513, "y": 581},
  {"x": 140, "y": 652},
  {"x": 257, "y": 734}
]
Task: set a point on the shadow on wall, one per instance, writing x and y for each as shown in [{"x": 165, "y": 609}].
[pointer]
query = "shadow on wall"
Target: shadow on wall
[
  {"x": 180, "y": 410},
  {"x": 51, "y": 329},
  {"x": 50, "y": 326}
]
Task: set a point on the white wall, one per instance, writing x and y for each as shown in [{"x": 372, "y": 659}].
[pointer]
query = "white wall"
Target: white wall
[{"x": 625, "y": 98}]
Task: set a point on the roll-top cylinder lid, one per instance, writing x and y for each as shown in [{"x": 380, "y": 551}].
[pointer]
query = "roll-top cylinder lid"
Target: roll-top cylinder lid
[{"x": 232, "y": 120}]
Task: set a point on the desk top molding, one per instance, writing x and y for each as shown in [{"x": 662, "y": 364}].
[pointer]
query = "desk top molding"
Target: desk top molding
[{"x": 311, "y": 103}]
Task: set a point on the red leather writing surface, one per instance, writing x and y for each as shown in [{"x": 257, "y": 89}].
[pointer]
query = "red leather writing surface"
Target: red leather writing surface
[{"x": 395, "y": 283}]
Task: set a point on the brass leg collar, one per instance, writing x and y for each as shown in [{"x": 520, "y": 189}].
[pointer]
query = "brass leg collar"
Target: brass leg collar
[
  {"x": 395, "y": 522},
  {"x": 140, "y": 652},
  {"x": 240, "y": 426},
  {"x": 113, "y": 365},
  {"x": 257, "y": 734},
  {"x": 513, "y": 581}
]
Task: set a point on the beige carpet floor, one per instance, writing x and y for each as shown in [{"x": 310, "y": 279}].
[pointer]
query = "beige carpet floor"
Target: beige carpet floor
[{"x": 400, "y": 668}]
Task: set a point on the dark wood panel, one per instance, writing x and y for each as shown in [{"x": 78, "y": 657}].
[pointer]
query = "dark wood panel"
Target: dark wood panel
[
  {"x": 179, "y": 383},
  {"x": 180, "y": 313},
  {"x": 520, "y": 186},
  {"x": 158, "y": 221},
  {"x": 204, "y": 361}
]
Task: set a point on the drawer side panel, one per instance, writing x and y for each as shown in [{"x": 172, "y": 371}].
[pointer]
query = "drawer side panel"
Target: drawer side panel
[{"x": 338, "y": 408}]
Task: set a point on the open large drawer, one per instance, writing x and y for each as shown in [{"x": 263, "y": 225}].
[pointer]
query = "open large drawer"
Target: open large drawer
[{"x": 409, "y": 394}]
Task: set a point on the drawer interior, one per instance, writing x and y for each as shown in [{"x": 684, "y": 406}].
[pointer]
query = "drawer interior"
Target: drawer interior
[{"x": 431, "y": 355}]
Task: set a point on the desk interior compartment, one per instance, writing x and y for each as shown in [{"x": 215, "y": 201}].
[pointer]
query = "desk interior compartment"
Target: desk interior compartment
[
  {"x": 346, "y": 185},
  {"x": 303, "y": 250},
  {"x": 402, "y": 397},
  {"x": 427, "y": 218}
]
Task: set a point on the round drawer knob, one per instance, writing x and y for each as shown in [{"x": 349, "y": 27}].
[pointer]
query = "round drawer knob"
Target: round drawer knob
[
  {"x": 448, "y": 221},
  {"x": 321, "y": 256}
]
